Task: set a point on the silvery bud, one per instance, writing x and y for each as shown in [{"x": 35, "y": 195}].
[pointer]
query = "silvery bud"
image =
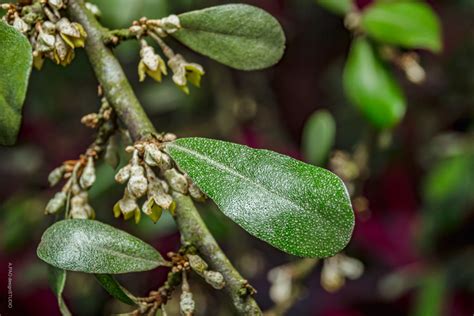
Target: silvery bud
[
  {"x": 93, "y": 8},
  {"x": 123, "y": 174},
  {"x": 45, "y": 42},
  {"x": 137, "y": 184},
  {"x": 170, "y": 24},
  {"x": 169, "y": 137},
  {"x": 149, "y": 57},
  {"x": 153, "y": 154},
  {"x": 58, "y": 4},
  {"x": 215, "y": 279},
  {"x": 20, "y": 25},
  {"x": 61, "y": 48},
  {"x": 126, "y": 206},
  {"x": 186, "y": 303},
  {"x": 111, "y": 155},
  {"x": 48, "y": 27},
  {"x": 67, "y": 28},
  {"x": 136, "y": 30},
  {"x": 56, "y": 175},
  {"x": 195, "y": 192},
  {"x": 79, "y": 207},
  {"x": 176, "y": 180},
  {"x": 197, "y": 264},
  {"x": 165, "y": 162},
  {"x": 56, "y": 203},
  {"x": 350, "y": 267},
  {"x": 88, "y": 174}
]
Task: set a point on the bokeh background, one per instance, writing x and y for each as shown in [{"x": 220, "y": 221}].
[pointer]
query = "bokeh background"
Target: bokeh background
[{"x": 414, "y": 223}]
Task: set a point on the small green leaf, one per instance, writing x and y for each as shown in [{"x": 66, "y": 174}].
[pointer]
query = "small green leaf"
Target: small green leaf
[
  {"x": 94, "y": 247},
  {"x": 431, "y": 295},
  {"x": 340, "y": 7},
  {"x": 319, "y": 134},
  {"x": 410, "y": 24},
  {"x": 57, "y": 281},
  {"x": 238, "y": 35},
  {"x": 114, "y": 288},
  {"x": 15, "y": 68},
  {"x": 371, "y": 87},
  {"x": 296, "y": 207}
]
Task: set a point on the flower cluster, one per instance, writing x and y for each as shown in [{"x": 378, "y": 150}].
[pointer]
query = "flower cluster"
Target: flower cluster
[
  {"x": 152, "y": 64},
  {"x": 150, "y": 174},
  {"x": 51, "y": 35},
  {"x": 81, "y": 176}
]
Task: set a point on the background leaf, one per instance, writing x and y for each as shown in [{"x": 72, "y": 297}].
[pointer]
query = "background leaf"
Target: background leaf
[
  {"x": 319, "y": 134},
  {"x": 94, "y": 247},
  {"x": 15, "y": 68},
  {"x": 371, "y": 87},
  {"x": 410, "y": 24},
  {"x": 340, "y": 7},
  {"x": 112, "y": 287},
  {"x": 238, "y": 35},
  {"x": 298, "y": 208},
  {"x": 57, "y": 281}
]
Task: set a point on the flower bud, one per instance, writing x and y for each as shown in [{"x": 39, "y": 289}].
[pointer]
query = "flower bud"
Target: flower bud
[
  {"x": 137, "y": 184},
  {"x": 215, "y": 279},
  {"x": 195, "y": 192},
  {"x": 80, "y": 209},
  {"x": 58, "y": 4},
  {"x": 176, "y": 180},
  {"x": 65, "y": 27},
  {"x": 126, "y": 206},
  {"x": 153, "y": 154},
  {"x": 136, "y": 30},
  {"x": 56, "y": 175},
  {"x": 20, "y": 24},
  {"x": 88, "y": 174},
  {"x": 197, "y": 264},
  {"x": 186, "y": 303},
  {"x": 93, "y": 8},
  {"x": 170, "y": 24},
  {"x": 56, "y": 203},
  {"x": 123, "y": 174}
]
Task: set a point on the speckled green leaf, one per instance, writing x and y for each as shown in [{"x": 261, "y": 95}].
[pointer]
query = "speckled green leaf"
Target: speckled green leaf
[
  {"x": 238, "y": 35},
  {"x": 319, "y": 134},
  {"x": 371, "y": 87},
  {"x": 57, "y": 281},
  {"x": 410, "y": 24},
  {"x": 114, "y": 288},
  {"x": 296, "y": 207},
  {"x": 15, "y": 68},
  {"x": 340, "y": 7},
  {"x": 94, "y": 247}
]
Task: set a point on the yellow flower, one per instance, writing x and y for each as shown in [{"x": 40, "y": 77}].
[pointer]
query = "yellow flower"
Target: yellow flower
[
  {"x": 184, "y": 72},
  {"x": 151, "y": 64}
]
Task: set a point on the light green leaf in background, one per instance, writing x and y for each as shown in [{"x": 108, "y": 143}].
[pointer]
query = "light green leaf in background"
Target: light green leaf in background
[
  {"x": 410, "y": 24},
  {"x": 57, "y": 281},
  {"x": 114, "y": 288},
  {"x": 237, "y": 35},
  {"x": 319, "y": 134},
  {"x": 94, "y": 247},
  {"x": 340, "y": 7},
  {"x": 15, "y": 68},
  {"x": 296, "y": 207},
  {"x": 371, "y": 87},
  {"x": 431, "y": 295}
]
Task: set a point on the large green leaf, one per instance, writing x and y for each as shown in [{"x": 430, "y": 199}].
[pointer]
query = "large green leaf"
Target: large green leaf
[
  {"x": 94, "y": 247},
  {"x": 57, "y": 281},
  {"x": 318, "y": 137},
  {"x": 15, "y": 68},
  {"x": 114, "y": 288},
  {"x": 411, "y": 24},
  {"x": 238, "y": 35},
  {"x": 371, "y": 87},
  {"x": 296, "y": 207}
]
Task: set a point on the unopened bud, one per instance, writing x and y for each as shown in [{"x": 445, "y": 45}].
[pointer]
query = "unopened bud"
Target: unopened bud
[
  {"x": 186, "y": 303},
  {"x": 56, "y": 175},
  {"x": 123, "y": 174},
  {"x": 215, "y": 279},
  {"x": 176, "y": 180},
  {"x": 88, "y": 174},
  {"x": 56, "y": 203},
  {"x": 137, "y": 184},
  {"x": 197, "y": 264}
]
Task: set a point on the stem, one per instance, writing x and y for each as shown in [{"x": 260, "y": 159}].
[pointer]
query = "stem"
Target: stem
[{"x": 122, "y": 98}]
